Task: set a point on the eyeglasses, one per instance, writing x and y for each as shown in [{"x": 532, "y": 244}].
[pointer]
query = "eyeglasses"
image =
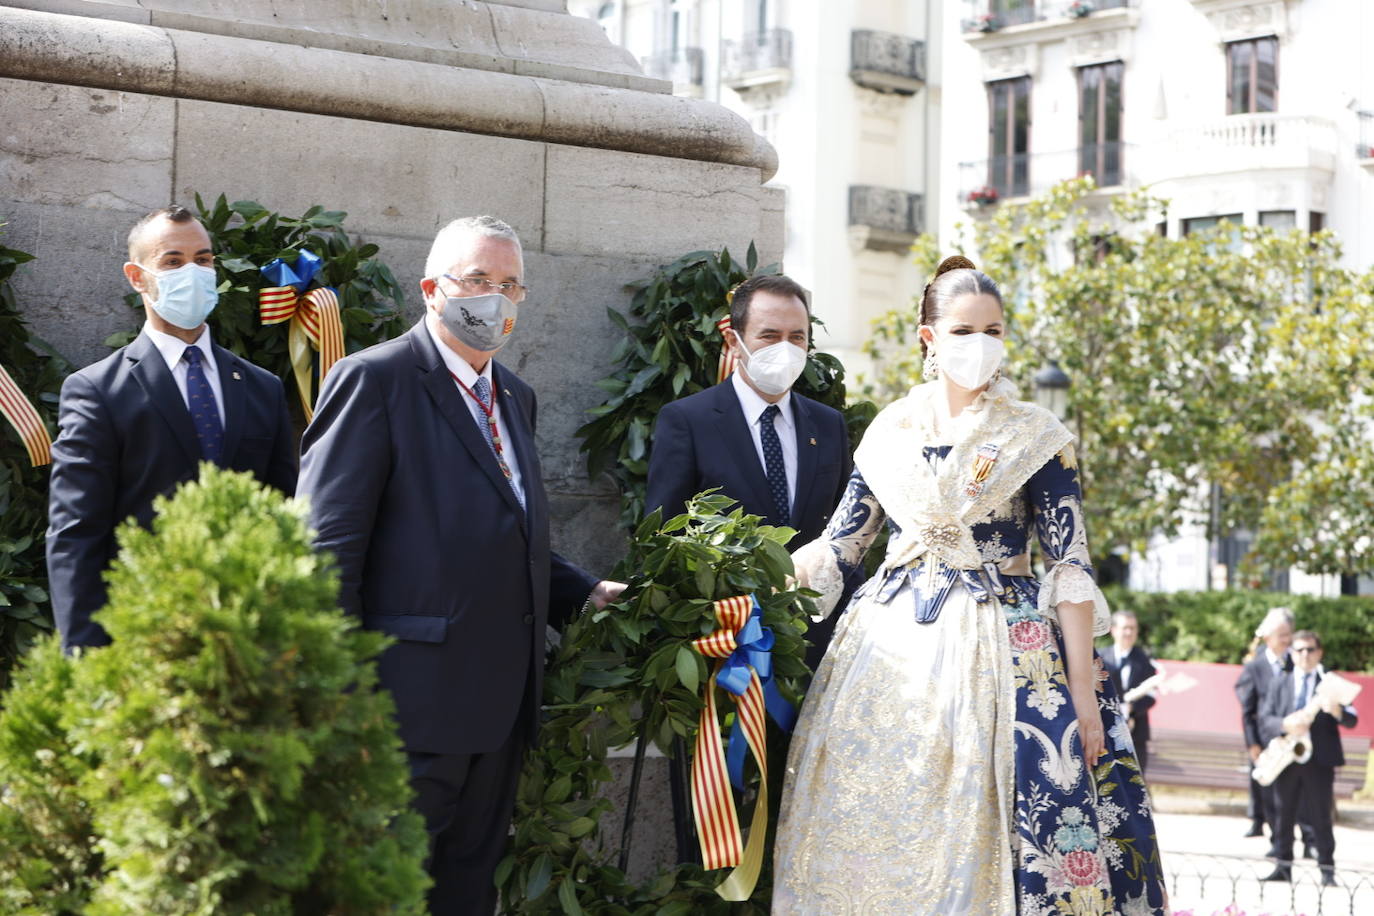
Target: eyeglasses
[
  {"x": 479, "y": 285},
  {"x": 1307, "y": 648}
]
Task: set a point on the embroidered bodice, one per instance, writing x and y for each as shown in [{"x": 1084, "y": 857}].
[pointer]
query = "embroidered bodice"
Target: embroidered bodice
[{"x": 955, "y": 518}]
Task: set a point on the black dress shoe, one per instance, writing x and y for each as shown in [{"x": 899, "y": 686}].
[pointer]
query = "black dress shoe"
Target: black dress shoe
[
  {"x": 1279, "y": 874},
  {"x": 1256, "y": 829},
  {"x": 1328, "y": 878}
]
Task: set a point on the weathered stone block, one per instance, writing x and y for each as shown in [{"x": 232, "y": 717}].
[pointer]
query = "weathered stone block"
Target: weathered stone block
[
  {"x": 393, "y": 179},
  {"x": 86, "y": 148}
]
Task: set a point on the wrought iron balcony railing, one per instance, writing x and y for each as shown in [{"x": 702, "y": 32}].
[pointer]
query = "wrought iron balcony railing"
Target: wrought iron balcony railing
[
  {"x": 988, "y": 181},
  {"x": 757, "y": 58},
  {"x": 887, "y": 62}
]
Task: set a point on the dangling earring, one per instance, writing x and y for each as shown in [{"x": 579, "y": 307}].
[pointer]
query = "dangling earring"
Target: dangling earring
[{"x": 930, "y": 370}]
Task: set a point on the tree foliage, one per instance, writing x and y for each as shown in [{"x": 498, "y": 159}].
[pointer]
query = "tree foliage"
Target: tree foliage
[
  {"x": 228, "y": 752},
  {"x": 627, "y": 673},
  {"x": 38, "y": 370},
  {"x": 670, "y": 348},
  {"x": 246, "y": 237},
  {"x": 1236, "y": 357},
  {"x": 1218, "y": 626}
]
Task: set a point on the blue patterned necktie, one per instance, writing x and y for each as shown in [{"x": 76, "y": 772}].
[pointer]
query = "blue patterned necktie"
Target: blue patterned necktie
[
  {"x": 772, "y": 462},
  {"x": 1303, "y": 692},
  {"x": 200, "y": 400},
  {"x": 483, "y": 392}
]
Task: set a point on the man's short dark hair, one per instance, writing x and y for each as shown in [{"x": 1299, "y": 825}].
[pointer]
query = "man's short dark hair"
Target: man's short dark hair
[
  {"x": 1309, "y": 635},
  {"x": 175, "y": 213},
  {"x": 770, "y": 283}
]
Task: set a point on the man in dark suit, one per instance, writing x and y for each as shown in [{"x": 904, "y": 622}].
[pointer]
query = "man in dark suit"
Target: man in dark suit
[
  {"x": 425, "y": 486},
  {"x": 1307, "y": 785},
  {"x": 779, "y": 455},
  {"x": 139, "y": 422},
  {"x": 1272, "y": 638},
  {"x": 1129, "y": 666}
]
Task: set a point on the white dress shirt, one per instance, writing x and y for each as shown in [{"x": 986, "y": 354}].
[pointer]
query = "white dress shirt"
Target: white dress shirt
[
  {"x": 786, "y": 427},
  {"x": 1275, "y": 661},
  {"x": 172, "y": 350},
  {"x": 1124, "y": 672},
  {"x": 460, "y": 367}
]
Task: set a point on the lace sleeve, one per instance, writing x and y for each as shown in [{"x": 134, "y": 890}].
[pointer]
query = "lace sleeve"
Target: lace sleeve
[
  {"x": 825, "y": 563},
  {"x": 1057, "y": 504}
]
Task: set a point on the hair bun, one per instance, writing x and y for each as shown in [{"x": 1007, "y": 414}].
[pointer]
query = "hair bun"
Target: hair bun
[{"x": 954, "y": 262}]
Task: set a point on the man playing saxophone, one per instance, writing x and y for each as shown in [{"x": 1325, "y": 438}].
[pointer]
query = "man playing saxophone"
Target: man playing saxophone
[{"x": 1293, "y": 706}]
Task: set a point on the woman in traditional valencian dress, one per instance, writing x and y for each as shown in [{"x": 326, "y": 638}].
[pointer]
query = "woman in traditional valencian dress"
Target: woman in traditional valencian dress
[{"x": 961, "y": 750}]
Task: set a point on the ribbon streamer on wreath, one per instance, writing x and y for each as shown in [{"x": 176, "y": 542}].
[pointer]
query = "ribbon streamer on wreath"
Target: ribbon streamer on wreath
[
  {"x": 314, "y": 317},
  {"x": 744, "y": 647},
  {"x": 727, "y": 355},
  {"x": 22, "y": 415}
]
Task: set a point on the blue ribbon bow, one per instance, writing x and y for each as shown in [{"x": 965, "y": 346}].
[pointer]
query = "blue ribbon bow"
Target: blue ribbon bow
[
  {"x": 754, "y": 649},
  {"x": 299, "y": 275}
]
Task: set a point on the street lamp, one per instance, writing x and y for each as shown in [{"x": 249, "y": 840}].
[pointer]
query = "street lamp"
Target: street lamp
[{"x": 1052, "y": 389}]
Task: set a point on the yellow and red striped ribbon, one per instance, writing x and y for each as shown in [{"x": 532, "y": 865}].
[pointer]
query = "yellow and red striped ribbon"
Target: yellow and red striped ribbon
[
  {"x": 315, "y": 322},
  {"x": 25, "y": 419},
  {"x": 727, "y": 355},
  {"x": 713, "y": 805}
]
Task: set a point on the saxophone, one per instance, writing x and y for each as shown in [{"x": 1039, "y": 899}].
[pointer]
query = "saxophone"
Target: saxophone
[{"x": 1297, "y": 748}]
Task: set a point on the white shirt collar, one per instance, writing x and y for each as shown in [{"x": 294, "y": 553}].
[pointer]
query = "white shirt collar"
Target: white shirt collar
[
  {"x": 172, "y": 348},
  {"x": 452, "y": 361},
  {"x": 1274, "y": 659},
  {"x": 754, "y": 405},
  {"x": 1120, "y": 652}
]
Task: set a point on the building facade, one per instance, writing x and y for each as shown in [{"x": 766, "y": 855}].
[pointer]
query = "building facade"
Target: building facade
[
  {"x": 1260, "y": 112},
  {"x": 841, "y": 91}
]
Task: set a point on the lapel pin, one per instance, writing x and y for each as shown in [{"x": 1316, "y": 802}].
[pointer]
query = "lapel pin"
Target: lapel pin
[
  {"x": 237, "y": 377},
  {"x": 813, "y": 440},
  {"x": 507, "y": 391}
]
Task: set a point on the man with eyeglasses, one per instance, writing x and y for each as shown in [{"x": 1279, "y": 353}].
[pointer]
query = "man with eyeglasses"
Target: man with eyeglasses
[
  {"x": 1309, "y": 785},
  {"x": 425, "y": 486}
]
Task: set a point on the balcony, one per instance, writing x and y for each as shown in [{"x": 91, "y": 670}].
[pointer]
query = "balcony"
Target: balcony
[
  {"x": 1364, "y": 147},
  {"x": 1250, "y": 143},
  {"x": 885, "y": 219},
  {"x": 989, "y": 181},
  {"x": 683, "y": 66},
  {"x": 988, "y": 16},
  {"x": 887, "y": 62},
  {"x": 757, "y": 61}
]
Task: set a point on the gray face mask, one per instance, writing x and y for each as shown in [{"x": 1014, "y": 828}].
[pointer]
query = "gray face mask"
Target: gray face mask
[{"x": 482, "y": 322}]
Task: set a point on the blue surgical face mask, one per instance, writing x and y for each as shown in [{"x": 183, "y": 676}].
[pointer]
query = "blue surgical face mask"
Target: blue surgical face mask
[{"x": 186, "y": 295}]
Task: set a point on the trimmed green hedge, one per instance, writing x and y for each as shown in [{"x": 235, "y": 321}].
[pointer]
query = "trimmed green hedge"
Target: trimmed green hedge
[{"x": 1219, "y": 626}]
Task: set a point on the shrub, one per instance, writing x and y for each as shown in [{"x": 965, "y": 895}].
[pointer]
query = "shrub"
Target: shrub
[
  {"x": 228, "y": 752},
  {"x": 38, "y": 371},
  {"x": 1219, "y": 626}
]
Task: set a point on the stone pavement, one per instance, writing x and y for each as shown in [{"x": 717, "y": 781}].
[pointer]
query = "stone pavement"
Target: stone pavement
[{"x": 1211, "y": 864}]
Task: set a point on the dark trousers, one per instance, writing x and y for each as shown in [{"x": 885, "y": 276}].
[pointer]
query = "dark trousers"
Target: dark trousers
[
  {"x": 1258, "y": 807},
  {"x": 1306, "y": 789},
  {"x": 466, "y": 801}
]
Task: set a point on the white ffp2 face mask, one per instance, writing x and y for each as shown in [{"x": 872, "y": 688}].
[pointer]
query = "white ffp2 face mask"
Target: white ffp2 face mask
[
  {"x": 970, "y": 359},
  {"x": 774, "y": 368}
]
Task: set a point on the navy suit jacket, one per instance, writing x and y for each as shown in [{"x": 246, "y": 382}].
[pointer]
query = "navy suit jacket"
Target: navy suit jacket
[
  {"x": 1142, "y": 669},
  {"x": 703, "y": 441},
  {"x": 431, "y": 544},
  {"x": 1325, "y": 736},
  {"x": 124, "y": 437},
  {"x": 1251, "y": 687}
]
